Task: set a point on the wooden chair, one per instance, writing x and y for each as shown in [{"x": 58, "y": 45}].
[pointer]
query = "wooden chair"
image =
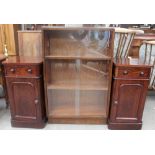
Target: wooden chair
[
  {"x": 147, "y": 51},
  {"x": 123, "y": 40}
]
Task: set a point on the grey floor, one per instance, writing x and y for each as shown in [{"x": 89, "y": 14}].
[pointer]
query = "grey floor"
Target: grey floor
[{"x": 148, "y": 119}]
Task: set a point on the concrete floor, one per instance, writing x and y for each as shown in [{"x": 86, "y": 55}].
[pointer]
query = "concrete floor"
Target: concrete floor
[{"x": 148, "y": 119}]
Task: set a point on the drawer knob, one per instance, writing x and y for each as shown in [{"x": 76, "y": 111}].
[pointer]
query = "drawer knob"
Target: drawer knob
[
  {"x": 36, "y": 101},
  {"x": 141, "y": 73},
  {"x": 29, "y": 70},
  {"x": 125, "y": 72},
  {"x": 116, "y": 102},
  {"x": 12, "y": 70}
]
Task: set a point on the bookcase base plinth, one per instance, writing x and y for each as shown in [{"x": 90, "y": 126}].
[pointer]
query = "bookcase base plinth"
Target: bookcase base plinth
[{"x": 77, "y": 120}]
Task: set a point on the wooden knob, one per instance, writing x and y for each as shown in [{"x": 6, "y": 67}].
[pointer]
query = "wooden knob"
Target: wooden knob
[
  {"x": 141, "y": 73},
  {"x": 29, "y": 70},
  {"x": 36, "y": 101},
  {"x": 115, "y": 102},
  {"x": 12, "y": 70},
  {"x": 125, "y": 72}
]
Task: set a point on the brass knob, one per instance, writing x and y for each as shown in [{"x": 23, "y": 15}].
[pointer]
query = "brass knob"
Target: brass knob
[
  {"x": 12, "y": 70},
  {"x": 125, "y": 72},
  {"x": 141, "y": 73},
  {"x": 29, "y": 70},
  {"x": 36, "y": 101}
]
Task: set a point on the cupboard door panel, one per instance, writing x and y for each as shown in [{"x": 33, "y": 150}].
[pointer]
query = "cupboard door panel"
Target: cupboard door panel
[
  {"x": 23, "y": 99},
  {"x": 128, "y": 101}
]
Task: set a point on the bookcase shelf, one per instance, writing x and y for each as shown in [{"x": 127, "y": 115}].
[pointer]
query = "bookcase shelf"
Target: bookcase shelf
[
  {"x": 78, "y": 68},
  {"x": 61, "y": 57},
  {"x": 67, "y": 86},
  {"x": 86, "y": 111}
]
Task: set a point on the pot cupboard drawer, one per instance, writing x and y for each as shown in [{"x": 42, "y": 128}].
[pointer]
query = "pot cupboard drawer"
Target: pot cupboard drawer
[
  {"x": 132, "y": 72},
  {"x": 19, "y": 70}
]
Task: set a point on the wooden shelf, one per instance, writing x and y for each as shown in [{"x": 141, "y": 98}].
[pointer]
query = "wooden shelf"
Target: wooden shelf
[
  {"x": 60, "y": 57},
  {"x": 67, "y": 86},
  {"x": 85, "y": 111}
]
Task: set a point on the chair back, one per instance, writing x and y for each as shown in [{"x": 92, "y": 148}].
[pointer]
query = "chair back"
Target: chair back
[
  {"x": 147, "y": 52},
  {"x": 123, "y": 40}
]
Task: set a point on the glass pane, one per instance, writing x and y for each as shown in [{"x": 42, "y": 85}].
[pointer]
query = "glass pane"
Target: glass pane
[
  {"x": 79, "y": 43},
  {"x": 78, "y": 66},
  {"x": 77, "y": 87}
]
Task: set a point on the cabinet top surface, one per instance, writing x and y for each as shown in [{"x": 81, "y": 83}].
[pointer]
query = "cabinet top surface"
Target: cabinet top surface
[
  {"x": 133, "y": 62},
  {"x": 149, "y": 36},
  {"x": 76, "y": 28},
  {"x": 29, "y": 31},
  {"x": 23, "y": 60},
  {"x": 2, "y": 57}
]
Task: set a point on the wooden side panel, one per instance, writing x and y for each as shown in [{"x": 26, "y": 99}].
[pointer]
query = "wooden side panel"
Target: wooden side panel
[{"x": 30, "y": 43}]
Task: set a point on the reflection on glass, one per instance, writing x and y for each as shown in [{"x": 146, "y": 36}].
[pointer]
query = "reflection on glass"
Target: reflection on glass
[{"x": 80, "y": 43}]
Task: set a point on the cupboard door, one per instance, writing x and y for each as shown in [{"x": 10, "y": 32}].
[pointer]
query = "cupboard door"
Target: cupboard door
[
  {"x": 128, "y": 100},
  {"x": 23, "y": 98}
]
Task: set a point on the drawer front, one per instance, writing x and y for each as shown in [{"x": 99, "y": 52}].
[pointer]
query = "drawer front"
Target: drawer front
[
  {"x": 132, "y": 72},
  {"x": 28, "y": 70}
]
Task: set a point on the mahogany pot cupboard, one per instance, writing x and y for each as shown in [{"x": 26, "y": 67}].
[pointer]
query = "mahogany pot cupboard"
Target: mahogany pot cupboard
[
  {"x": 77, "y": 72},
  {"x": 24, "y": 80},
  {"x": 129, "y": 89}
]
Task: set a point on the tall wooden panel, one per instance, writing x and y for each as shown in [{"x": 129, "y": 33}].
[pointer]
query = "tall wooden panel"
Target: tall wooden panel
[{"x": 30, "y": 43}]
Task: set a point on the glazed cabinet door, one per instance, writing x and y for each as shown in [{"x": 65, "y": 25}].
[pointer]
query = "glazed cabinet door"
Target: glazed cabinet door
[
  {"x": 128, "y": 100},
  {"x": 23, "y": 98}
]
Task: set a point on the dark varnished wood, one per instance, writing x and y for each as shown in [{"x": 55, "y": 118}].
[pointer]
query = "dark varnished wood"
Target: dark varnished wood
[
  {"x": 136, "y": 68},
  {"x": 25, "y": 91},
  {"x": 77, "y": 72},
  {"x": 22, "y": 70},
  {"x": 23, "y": 60},
  {"x": 131, "y": 73},
  {"x": 129, "y": 91}
]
